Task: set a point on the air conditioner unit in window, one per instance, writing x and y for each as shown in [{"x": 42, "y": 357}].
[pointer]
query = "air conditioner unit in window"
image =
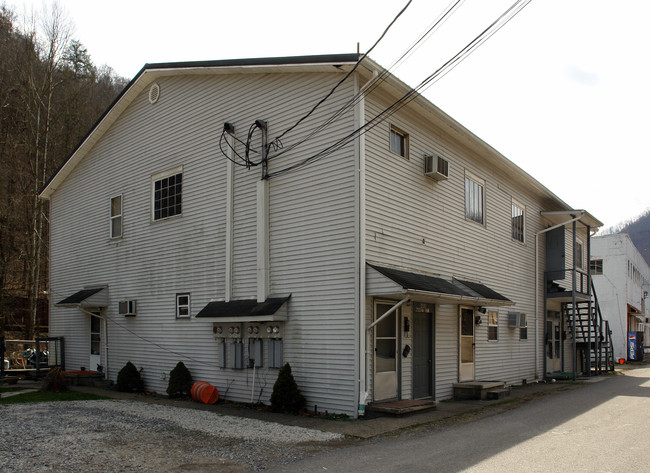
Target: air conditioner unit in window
[
  {"x": 436, "y": 167},
  {"x": 516, "y": 319},
  {"x": 127, "y": 308}
]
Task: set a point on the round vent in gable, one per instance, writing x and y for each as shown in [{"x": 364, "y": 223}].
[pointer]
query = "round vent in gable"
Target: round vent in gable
[{"x": 154, "y": 93}]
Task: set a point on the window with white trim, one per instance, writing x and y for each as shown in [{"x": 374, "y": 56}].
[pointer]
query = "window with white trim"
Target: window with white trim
[
  {"x": 167, "y": 191},
  {"x": 116, "y": 217},
  {"x": 523, "y": 327},
  {"x": 183, "y": 306},
  {"x": 399, "y": 142},
  {"x": 493, "y": 325},
  {"x": 474, "y": 198},
  {"x": 518, "y": 221}
]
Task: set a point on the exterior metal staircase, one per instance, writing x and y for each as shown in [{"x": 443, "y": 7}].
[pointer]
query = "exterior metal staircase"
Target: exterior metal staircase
[{"x": 592, "y": 332}]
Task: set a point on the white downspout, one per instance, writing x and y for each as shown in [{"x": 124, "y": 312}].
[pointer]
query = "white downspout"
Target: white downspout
[
  {"x": 230, "y": 210},
  {"x": 362, "y": 332},
  {"x": 537, "y": 283}
]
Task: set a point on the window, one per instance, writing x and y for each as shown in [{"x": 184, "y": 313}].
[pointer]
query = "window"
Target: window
[
  {"x": 517, "y": 221},
  {"x": 596, "y": 266},
  {"x": 116, "y": 217},
  {"x": 578, "y": 254},
  {"x": 474, "y": 198},
  {"x": 399, "y": 142},
  {"x": 493, "y": 325},
  {"x": 523, "y": 327},
  {"x": 182, "y": 306},
  {"x": 167, "y": 194}
]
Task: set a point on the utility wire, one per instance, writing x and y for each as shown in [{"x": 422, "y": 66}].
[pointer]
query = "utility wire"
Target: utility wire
[
  {"x": 495, "y": 26},
  {"x": 354, "y": 68},
  {"x": 376, "y": 81}
]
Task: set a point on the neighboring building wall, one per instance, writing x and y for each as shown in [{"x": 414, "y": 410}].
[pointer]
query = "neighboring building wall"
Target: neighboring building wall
[
  {"x": 624, "y": 281},
  {"x": 416, "y": 223},
  {"x": 312, "y": 242}
]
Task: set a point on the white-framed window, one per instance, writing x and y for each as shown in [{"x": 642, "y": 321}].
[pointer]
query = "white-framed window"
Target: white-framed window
[
  {"x": 116, "y": 216},
  {"x": 167, "y": 194},
  {"x": 474, "y": 198},
  {"x": 399, "y": 142},
  {"x": 493, "y": 325},
  {"x": 579, "y": 253},
  {"x": 518, "y": 221},
  {"x": 523, "y": 327},
  {"x": 183, "y": 305},
  {"x": 596, "y": 266}
]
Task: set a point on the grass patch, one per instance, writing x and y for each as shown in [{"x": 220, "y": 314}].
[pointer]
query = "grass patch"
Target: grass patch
[
  {"x": 40, "y": 396},
  {"x": 10, "y": 389}
]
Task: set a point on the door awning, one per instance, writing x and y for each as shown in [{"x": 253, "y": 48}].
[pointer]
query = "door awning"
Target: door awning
[
  {"x": 273, "y": 309},
  {"x": 392, "y": 282},
  {"x": 87, "y": 297}
]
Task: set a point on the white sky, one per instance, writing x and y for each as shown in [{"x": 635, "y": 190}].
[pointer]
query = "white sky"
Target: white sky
[{"x": 560, "y": 90}]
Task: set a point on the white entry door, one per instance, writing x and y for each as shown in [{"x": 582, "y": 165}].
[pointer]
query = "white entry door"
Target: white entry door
[
  {"x": 95, "y": 342},
  {"x": 385, "y": 363},
  {"x": 466, "y": 345},
  {"x": 553, "y": 342}
]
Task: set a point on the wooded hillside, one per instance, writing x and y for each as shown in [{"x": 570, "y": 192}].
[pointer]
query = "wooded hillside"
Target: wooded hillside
[{"x": 51, "y": 94}]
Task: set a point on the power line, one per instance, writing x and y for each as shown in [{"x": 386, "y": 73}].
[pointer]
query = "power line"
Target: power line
[
  {"x": 354, "y": 68},
  {"x": 495, "y": 26},
  {"x": 376, "y": 81}
]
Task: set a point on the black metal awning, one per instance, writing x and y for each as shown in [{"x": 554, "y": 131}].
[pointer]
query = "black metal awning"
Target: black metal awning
[
  {"x": 454, "y": 290},
  {"x": 90, "y": 297},
  {"x": 248, "y": 310}
]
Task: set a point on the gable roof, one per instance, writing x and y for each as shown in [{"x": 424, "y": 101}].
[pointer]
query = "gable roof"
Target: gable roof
[
  {"x": 146, "y": 75},
  {"x": 319, "y": 63}
]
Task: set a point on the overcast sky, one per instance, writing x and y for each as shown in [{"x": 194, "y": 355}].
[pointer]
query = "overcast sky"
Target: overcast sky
[{"x": 561, "y": 90}]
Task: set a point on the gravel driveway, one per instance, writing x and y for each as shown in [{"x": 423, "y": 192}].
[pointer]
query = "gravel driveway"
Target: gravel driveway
[{"x": 93, "y": 436}]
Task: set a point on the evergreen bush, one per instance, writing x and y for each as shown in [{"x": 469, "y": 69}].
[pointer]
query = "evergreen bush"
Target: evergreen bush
[
  {"x": 129, "y": 379},
  {"x": 180, "y": 381},
  {"x": 286, "y": 396},
  {"x": 55, "y": 381}
]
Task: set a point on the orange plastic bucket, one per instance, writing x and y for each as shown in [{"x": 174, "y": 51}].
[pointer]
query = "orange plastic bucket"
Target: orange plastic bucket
[{"x": 204, "y": 392}]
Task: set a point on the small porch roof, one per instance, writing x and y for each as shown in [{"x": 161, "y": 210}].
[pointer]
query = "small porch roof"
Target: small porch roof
[
  {"x": 273, "y": 309},
  {"x": 87, "y": 297},
  {"x": 558, "y": 216},
  {"x": 392, "y": 282}
]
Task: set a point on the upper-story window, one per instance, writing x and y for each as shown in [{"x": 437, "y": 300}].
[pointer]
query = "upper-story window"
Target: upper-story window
[
  {"x": 518, "y": 221},
  {"x": 399, "y": 142},
  {"x": 167, "y": 194},
  {"x": 116, "y": 217},
  {"x": 596, "y": 266},
  {"x": 578, "y": 254},
  {"x": 474, "y": 198}
]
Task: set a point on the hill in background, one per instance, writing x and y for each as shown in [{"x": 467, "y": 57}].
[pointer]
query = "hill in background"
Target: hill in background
[{"x": 639, "y": 230}]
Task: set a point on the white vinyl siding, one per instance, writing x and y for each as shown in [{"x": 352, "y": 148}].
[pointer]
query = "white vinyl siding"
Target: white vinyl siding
[{"x": 312, "y": 247}]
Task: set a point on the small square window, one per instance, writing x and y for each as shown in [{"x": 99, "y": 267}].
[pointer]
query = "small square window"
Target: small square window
[
  {"x": 116, "y": 217},
  {"x": 399, "y": 142},
  {"x": 493, "y": 325},
  {"x": 596, "y": 266},
  {"x": 182, "y": 306}
]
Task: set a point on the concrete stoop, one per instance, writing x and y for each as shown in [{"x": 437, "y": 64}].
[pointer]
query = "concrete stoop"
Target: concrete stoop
[
  {"x": 480, "y": 390},
  {"x": 400, "y": 408}
]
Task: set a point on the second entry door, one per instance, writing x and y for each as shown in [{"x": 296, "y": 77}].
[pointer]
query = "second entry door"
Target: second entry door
[{"x": 466, "y": 345}]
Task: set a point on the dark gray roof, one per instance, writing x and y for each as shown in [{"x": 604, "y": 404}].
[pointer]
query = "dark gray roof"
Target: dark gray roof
[
  {"x": 244, "y": 309},
  {"x": 422, "y": 282},
  {"x": 79, "y": 297},
  {"x": 483, "y": 291}
]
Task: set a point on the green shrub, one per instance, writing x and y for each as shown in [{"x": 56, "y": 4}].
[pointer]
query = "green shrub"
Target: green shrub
[
  {"x": 286, "y": 396},
  {"x": 180, "y": 381},
  {"x": 129, "y": 379},
  {"x": 55, "y": 381}
]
